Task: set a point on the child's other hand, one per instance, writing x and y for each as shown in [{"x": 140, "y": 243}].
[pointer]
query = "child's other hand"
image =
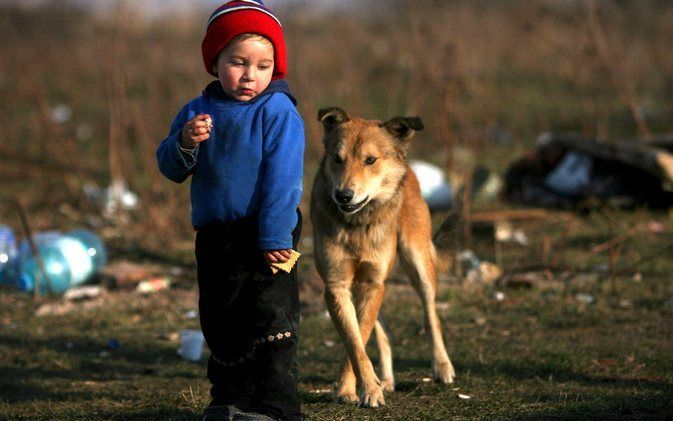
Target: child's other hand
[
  {"x": 276, "y": 256},
  {"x": 196, "y": 131}
]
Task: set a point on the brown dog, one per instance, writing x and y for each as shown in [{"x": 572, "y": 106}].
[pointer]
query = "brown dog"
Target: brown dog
[{"x": 367, "y": 208}]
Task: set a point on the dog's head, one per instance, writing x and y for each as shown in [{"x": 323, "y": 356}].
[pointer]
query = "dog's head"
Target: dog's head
[{"x": 365, "y": 160}]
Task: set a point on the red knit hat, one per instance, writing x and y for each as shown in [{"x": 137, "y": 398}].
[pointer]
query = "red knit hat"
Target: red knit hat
[{"x": 241, "y": 17}]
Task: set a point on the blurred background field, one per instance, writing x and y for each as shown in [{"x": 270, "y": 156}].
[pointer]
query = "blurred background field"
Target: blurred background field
[{"x": 87, "y": 95}]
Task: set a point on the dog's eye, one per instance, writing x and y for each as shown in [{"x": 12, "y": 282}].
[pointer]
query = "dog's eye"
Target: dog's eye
[
  {"x": 337, "y": 158},
  {"x": 370, "y": 160}
]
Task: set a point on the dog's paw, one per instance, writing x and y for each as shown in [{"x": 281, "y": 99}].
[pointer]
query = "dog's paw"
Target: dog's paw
[
  {"x": 372, "y": 397},
  {"x": 345, "y": 393},
  {"x": 388, "y": 385},
  {"x": 349, "y": 398},
  {"x": 443, "y": 372}
]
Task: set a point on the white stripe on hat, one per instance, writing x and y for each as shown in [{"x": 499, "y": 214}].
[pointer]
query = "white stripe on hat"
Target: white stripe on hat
[{"x": 242, "y": 7}]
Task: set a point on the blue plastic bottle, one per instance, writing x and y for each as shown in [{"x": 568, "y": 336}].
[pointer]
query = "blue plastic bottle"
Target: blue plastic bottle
[
  {"x": 94, "y": 245},
  {"x": 69, "y": 259},
  {"x": 8, "y": 255}
]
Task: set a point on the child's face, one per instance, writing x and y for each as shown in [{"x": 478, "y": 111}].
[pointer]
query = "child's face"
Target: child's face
[{"x": 245, "y": 67}]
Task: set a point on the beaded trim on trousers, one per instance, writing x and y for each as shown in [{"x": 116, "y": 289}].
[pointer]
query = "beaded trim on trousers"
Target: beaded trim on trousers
[{"x": 268, "y": 339}]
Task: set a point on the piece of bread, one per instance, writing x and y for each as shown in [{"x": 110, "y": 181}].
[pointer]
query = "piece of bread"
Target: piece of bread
[{"x": 286, "y": 266}]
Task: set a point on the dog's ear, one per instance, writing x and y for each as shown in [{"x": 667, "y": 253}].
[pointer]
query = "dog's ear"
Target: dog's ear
[
  {"x": 403, "y": 128},
  {"x": 332, "y": 117}
]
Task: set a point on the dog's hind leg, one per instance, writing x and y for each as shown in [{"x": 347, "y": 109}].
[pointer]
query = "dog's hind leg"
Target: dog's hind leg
[
  {"x": 386, "y": 355},
  {"x": 417, "y": 260}
]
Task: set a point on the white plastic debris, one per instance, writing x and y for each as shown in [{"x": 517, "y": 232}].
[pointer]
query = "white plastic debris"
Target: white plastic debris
[
  {"x": 82, "y": 293},
  {"x": 585, "y": 298},
  {"x": 571, "y": 175},
  {"x": 461, "y": 396},
  {"x": 434, "y": 188},
  {"x": 505, "y": 233},
  {"x": 191, "y": 314},
  {"x": 60, "y": 113}
]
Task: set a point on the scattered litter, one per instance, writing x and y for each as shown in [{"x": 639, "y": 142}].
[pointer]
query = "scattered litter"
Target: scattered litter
[
  {"x": 60, "y": 113},
  {"x": 656, "y": 227},
  {"x": 569, "y": 171},
  {"x": 499, "y": 296},
  {"x": 434, "y": 188},
  {"x": 485, "y": 273},
  {"x": 505, "y": 233},
  {"x": 585, "y": 298},
  {"x": 115, "y": 197},
  {"x": 69, "y": 259},
  {"x": 104, "y": 354},
  {"x": 172, "y": 336},
  {"x": 127, "y": 274},
  {"x": 191, "y": 314},
  {"x": 191, "y": 344},
  {"x": 479, "y": 320},
  {"x": 461, "y": 396},
  {"x": 455, "y": 388},
  {"x": 113, "y": 344},
  {"x": 637, "y": 277},
  {"x": 320, "y": 391},
  {"x": 426, "y": 379},
  {"x": 469, "y": 257},
  {"x": 328, "y": 343},
  {"x": 83, "y": 293},
  {"x": 153, "y": 285}
]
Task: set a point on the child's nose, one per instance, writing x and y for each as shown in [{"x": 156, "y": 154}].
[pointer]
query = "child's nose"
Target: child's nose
[{"x": 249, "y": 73}]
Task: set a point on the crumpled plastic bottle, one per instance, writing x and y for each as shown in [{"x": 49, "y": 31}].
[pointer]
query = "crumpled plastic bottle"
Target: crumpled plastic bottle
[{"x": 69, "y": 259}]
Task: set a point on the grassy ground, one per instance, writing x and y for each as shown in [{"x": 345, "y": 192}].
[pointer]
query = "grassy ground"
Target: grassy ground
[
  {"x": 486, "y": 78},
  {"x": 539, "y": 353}
]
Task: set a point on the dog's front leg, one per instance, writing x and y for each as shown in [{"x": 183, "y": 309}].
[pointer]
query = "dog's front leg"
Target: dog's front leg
[{"x": 340, "y": 304}]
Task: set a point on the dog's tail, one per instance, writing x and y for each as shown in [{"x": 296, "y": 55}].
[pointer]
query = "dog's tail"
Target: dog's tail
[
  {"x": 442, "y": 259},
  {"x": 444, "y": 243}
]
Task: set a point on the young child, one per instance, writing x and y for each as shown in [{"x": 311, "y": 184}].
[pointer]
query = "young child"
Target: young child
[{"x": 242, "y": 142}]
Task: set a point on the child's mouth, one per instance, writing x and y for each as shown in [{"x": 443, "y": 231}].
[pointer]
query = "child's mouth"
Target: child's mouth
[{"x": 246, "y": 92}]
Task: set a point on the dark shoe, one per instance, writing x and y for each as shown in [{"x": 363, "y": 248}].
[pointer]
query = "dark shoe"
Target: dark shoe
[
  {"x": 220, "y": 413},
  {"x": 252, "y": 416}
]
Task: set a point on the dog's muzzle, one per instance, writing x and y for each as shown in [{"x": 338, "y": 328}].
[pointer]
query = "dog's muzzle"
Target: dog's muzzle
[{"x": 352, "y": 207}]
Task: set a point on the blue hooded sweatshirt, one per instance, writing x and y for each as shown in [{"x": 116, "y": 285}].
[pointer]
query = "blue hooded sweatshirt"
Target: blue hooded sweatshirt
[{"x": 250, "y": 167}]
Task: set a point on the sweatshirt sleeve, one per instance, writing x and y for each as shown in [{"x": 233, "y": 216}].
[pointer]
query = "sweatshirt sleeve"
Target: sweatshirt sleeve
[
  {"x": 282, "y": 184},
  {"x": 174, "y": 162}
]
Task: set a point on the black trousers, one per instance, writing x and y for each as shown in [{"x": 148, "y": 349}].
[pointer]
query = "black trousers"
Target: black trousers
[{"x": 250, "y": 319}]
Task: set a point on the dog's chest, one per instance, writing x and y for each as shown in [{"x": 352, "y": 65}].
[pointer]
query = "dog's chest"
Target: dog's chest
[{"x": 367, "y": 241}]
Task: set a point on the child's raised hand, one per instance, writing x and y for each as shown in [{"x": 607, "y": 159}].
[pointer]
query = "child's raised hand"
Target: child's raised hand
[
  {"x": 276, "y": 256},
  {"x": 196, "y": 131}
]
